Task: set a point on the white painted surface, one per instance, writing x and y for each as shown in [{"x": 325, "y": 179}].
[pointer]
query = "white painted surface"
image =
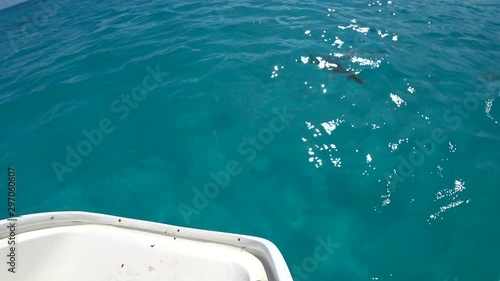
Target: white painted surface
[{"x": 80, "y": 246}]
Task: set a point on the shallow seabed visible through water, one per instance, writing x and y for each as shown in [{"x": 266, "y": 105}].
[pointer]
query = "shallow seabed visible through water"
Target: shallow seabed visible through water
[{"x": 205, "y": 115}]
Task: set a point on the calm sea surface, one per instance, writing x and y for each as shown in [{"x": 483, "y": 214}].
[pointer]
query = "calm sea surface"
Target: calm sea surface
[{"x": 209, "y": 115}]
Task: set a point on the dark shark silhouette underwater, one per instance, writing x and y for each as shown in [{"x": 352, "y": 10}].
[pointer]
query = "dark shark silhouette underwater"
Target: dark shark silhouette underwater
[{"x": 333, "y": 64}]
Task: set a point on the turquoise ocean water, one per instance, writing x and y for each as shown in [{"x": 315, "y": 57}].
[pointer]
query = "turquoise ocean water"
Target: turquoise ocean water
[{"x": 132, "y": 108}]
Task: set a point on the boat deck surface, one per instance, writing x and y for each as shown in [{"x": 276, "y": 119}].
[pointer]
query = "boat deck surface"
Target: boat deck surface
[{"x": 55, "y": 247}]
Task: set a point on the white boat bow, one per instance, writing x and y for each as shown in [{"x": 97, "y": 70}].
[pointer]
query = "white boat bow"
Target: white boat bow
[{"x": 79, "y": 246}]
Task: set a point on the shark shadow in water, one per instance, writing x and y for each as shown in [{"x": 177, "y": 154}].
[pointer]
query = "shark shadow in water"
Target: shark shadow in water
[{"x": 333, "y": 64}]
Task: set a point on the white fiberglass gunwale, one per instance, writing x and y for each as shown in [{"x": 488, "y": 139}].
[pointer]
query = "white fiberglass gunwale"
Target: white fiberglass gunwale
[{"x": 88, "y": 246}]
